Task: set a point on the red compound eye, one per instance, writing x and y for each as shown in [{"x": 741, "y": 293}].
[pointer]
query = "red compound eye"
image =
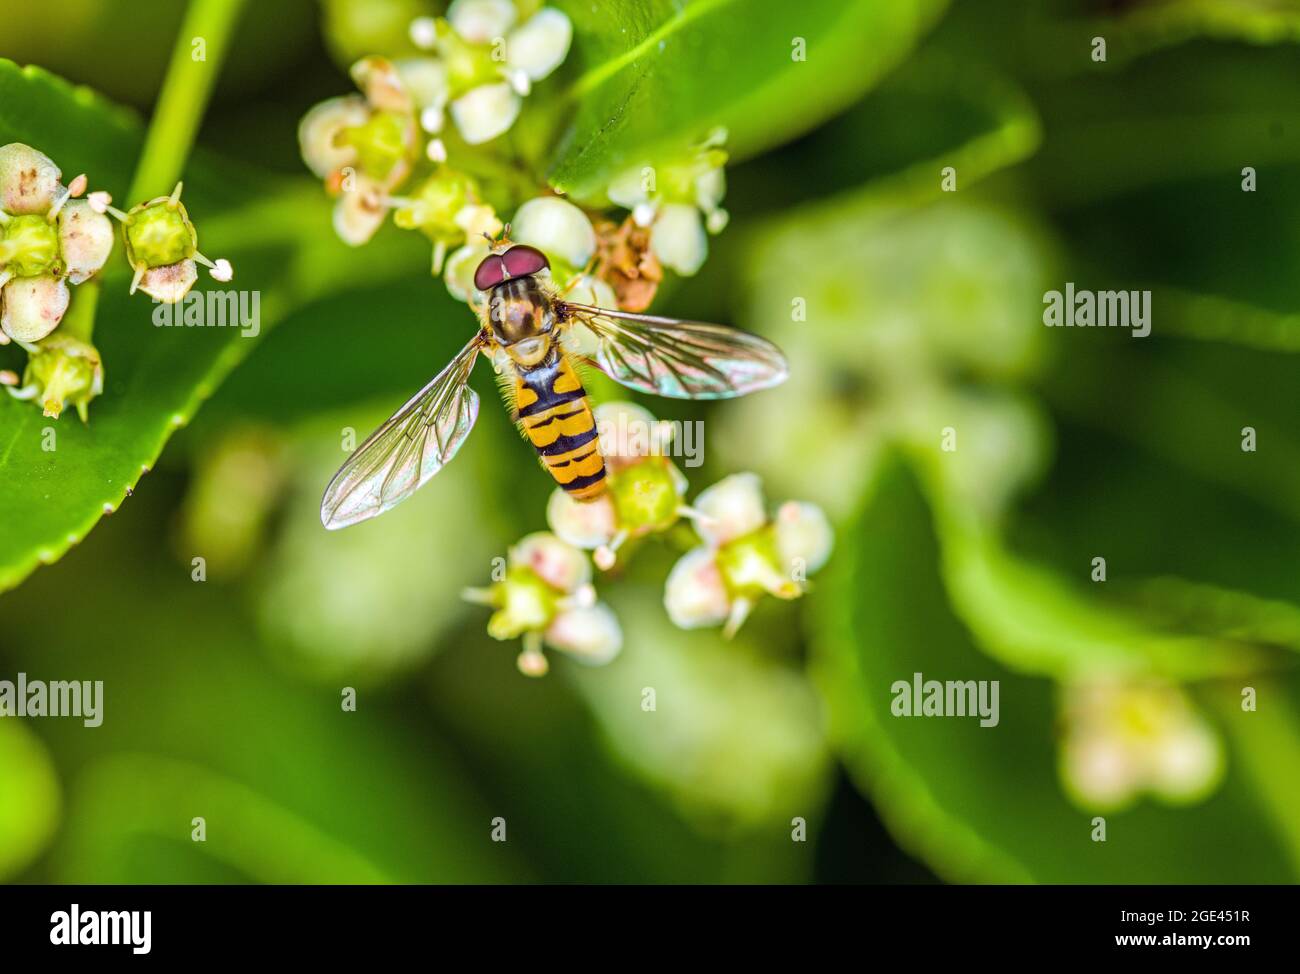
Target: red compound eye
[
  {"x": 518, "y": 261},
  {"x": 522, "y": 260}
]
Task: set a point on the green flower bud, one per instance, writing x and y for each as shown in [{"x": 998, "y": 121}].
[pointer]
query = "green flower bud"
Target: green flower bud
[
  {"x": 30, "y": 247},
  {"x": 526, "y": 603},
  {"x": 434, "y": 206},
  {"x": 645, "y": 496},
  {"x": 159, "y": 233},
  {"x": 64, "y": 371},
  {"x": 751, "y": 566},
  {"x": 382, "y": 144}
]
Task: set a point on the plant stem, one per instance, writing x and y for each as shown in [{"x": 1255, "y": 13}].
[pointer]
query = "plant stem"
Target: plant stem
[
  {"x": 79, "y": 322},
  {"x": 184, "y": 96}
]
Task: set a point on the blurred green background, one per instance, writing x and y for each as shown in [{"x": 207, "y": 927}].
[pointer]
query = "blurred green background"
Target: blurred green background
[{"x": 923, "y": 312}]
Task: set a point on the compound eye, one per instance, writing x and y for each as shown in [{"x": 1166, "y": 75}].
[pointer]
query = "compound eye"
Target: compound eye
[
  {"x": 522, "y": 260},
  {"x": 491, "y": 271}
]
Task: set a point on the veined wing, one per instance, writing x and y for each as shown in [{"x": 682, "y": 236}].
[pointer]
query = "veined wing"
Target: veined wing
[
  {"x": 412, "y": 445},
  {"x": 680, "y": 359}
]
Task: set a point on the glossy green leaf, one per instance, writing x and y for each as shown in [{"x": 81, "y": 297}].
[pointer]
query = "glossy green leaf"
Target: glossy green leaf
[{"x": 656, "y": 77}]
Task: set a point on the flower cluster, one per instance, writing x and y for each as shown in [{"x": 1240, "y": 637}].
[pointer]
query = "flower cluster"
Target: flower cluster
[
  {"x": 422, "y": 141},
  {"x": 1125, "y": 738},
  {"x": 487, "y": 59},
  {"x": 545, "y": 597},
  {"x": 743, "y": 554},
  {"x": 49, "y": 239},
  {"x": 678, "y": 201}
]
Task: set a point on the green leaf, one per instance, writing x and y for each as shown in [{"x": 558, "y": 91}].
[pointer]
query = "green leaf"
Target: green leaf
[
  {"x": 985, "y": 804},
  {"x": 276, "y": 234},
  {"x": 657, "y": 77}
]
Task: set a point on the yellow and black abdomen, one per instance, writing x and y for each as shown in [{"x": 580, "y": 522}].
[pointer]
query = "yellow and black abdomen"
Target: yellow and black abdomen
[{"x": 556, "y": 416}]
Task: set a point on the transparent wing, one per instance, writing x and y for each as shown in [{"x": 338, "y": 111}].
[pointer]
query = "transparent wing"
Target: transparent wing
[
  {"x": 680, "y": 359},
  {"x": 412, "y": 445}
]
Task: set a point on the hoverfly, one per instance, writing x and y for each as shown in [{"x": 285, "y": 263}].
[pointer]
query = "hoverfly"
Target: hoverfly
[{"x": 528, "y": 330}]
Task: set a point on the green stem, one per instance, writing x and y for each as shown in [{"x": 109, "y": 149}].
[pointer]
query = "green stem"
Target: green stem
[
  {"x": 184, "y": 96},
  {"x": 79, "y": 322}
]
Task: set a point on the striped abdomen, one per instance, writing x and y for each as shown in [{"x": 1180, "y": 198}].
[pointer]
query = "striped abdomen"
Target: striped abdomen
[{"x": 557, "y": 418}]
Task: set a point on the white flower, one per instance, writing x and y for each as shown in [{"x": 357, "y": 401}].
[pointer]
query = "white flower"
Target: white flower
[
  {"x": 458, "y": 272},
  {"x": 546, "y": 598},
  {"x": 365, "y": 147},
  {"x": 29, "y": 180},
  {"x": 804, "y": 534},
  {"x": 32, "y": 307},
  {"x": 695, "y": 593},
  {"x": 480, "y": 38},
  {"x": 591, "y": 290},
  {"x": 557, "y": 228},
  {"x": 483, "y": 113},
  {"x": 731, "y": 508},
  {"x": 745, "y": 556},
  {"x": 540, "y": 45},
  {"x": 584, "y": 524},
  {"x": 1124, "y": 738},
  {"x": 678, "y": 239},
  {"x": 559, "y": 565},
  {"x": 320, "y": 130},
  {"x": 591, "y": 635},
  {"x": 85, "y": 239},
  {"x": 481, "y": 21},
  {"x": 679, "y": 200}
]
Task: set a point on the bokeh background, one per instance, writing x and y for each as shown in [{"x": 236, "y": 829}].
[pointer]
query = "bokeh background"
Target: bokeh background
[{"x": 924, "y": 312}]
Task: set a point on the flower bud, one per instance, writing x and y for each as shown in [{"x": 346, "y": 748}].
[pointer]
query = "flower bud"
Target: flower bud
[
  {"x": 458, "y": 273},
  {"x": 752, "y": 565},
  {"x": 526, "y": 603},
  {"x": 678, "y": 239},
  {"x": 29, "y": 180},
  {"x": 85, "y": 238},
  {"x": 158, "y": 233},
  {"x": 169, "y": 283},
  {"x": 591, "y": 634},
  {"x": 320, "y": 134},
  {"x": 65, "y": 371},
  {"x": 481, "y": 21},
  {"x": 559, "y": 565},
  {"x": 583, "y": 524},
  {"x": 804, "y": 535},
  {"x": 32, "y": 307},
  {"x": 646, "y": 496},
  {"x": 540, "y": 45},
  {"x": 731, "y": 508},
  {"x": 383, "y": 144},
  {"x": 30, "y": 247},
  {"x": 484, "y": 112},
  {"x": 695, "y": 594},
  {"x": 557, "y": 228}
]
